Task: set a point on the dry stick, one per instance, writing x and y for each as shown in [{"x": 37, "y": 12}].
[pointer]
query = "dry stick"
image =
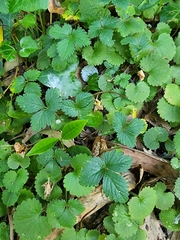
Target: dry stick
[
  {"x": 96, "y": 200},
  {"x": 10, "y": 218}
]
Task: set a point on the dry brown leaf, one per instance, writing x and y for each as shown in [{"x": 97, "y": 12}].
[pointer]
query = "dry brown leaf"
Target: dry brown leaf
[
  {"x": 20, "y": 149},
  {"x": 153, "y": 228},
  {"x": 141, "y": 75},
  {"x": 48, "y": 187},
  {"x": 99, "y": 146},
  {"x": 54, "y": 7},
  {"x": 98, "y": 105}
]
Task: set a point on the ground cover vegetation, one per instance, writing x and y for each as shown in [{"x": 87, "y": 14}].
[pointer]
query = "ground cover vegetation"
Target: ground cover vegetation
[{"x": 89, "y": 119}]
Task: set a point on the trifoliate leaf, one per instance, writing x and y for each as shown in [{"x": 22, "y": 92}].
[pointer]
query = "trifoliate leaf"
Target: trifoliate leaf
[
  {"x": 153, "y": 136},
  {"x": 29, "y": 212},
  {"x": 14, "y": 181},
  {"x": 17, "y": 84},
  {"x": 159, "y": 71},
  {"x": 63, "y": 214},
  {"x": 115, "y": 186},
  {"x": 32, "y": 74},
  {"x": 92, "y": 172},
  {"x": 138, "y": 93},
  {"x": 73, "y": 129},
  {"x": 177, "y": 188},
  {"x": 15, "y": 160},
  {"x": 127, "y": 132},
  {"x": 42, "y": 146},
  {"x": 9, "y": 198},
  {"x": 165, "y": 200},
  {"x": 125, "y": 226},
  {"x": 122, "y": 79},
  {"x": 172, "y": 94},
  {"x": 168, "y": 219},
  {"x": 165, "y": 46},
  {"x": 168, "y": 112},
  {"x": 141, "y": 206},
  {"x": 30, "y": 102}
]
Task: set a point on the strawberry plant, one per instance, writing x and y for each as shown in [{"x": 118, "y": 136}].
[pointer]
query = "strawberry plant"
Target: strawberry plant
[{"x": 88, "y": 88}]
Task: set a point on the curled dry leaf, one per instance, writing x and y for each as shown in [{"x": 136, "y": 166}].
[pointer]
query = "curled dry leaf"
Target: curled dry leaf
[
  {"x": 54, "y": 7},
  {"x": 98, "y": 106},
  {"x": 20, "y": 149},
  {"x": 141, "y": 75},
  {"x": 48, "y": 187},
  {"x": 99, "y": 145}
]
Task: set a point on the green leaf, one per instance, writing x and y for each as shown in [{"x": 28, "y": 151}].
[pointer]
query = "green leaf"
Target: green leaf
[
  {"x": 137, "y": 93},
  {"x": 28, "y": 21},
  {"x": 117, "y": 161},
  {"x": 92, "y": 172},
  {"x": 52, "y": 99},
  {"x": 29, "y": 212},
  {"x": 4, "y": 231},
  {"x": 175, "y": 163},
  {"x": 5, "y": 150},
  {"x": 141, "y": 206},
  {"x": 15, "y": 160},
  {"x": 30, "y": 102},
  {"x": 115, "y": 186},
  {"x": 14, "y": 181},
  {"x": 5, "y": 7},
  {"x": 172, "y": 94},
  {"x": 168, "y": 219},
  {"x": 43, "y": 179},
  {"x": 159, "y": 71},
  {"x": 80, "y": 37},
  {"x": 94, "y": 119},
  {"x": 43, "y": 61},
  {"x": 17, "y": 84},
  {"x": 42, "y": 146},
  {"x": 9, "y": 198},
  {"x": 32, "y": 87},
  {"x": 78, "y": 235},
  {"x": 73, "y": 129},
  {"x": 65, "y": 48},
  {"x": 177, "y": 188},
  {"x": 165, "y": 200},
  {"x": 32, "y": 74},
  {"x": 28, "y": 46},
  {"x": 125, "y": 226},
  {"x": 27, "y": 5},
  {"x": 165, "y": 46},
  {"x": 7, "y": 51},
  {"x": 58, "y": 32},
  {"x": 63, "y": 214},
  {"x": 153, "y": 136},
  {"x": 127, "y": 132},
  {"x": 168, "y": 112},
  {"x": 42, "y": 119},
  {"x": 131, "y": 25},
  {"x": 65, "y": 81}
]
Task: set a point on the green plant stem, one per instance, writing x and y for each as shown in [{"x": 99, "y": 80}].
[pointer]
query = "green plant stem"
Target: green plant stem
[{"x": 41, "y": 21}]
